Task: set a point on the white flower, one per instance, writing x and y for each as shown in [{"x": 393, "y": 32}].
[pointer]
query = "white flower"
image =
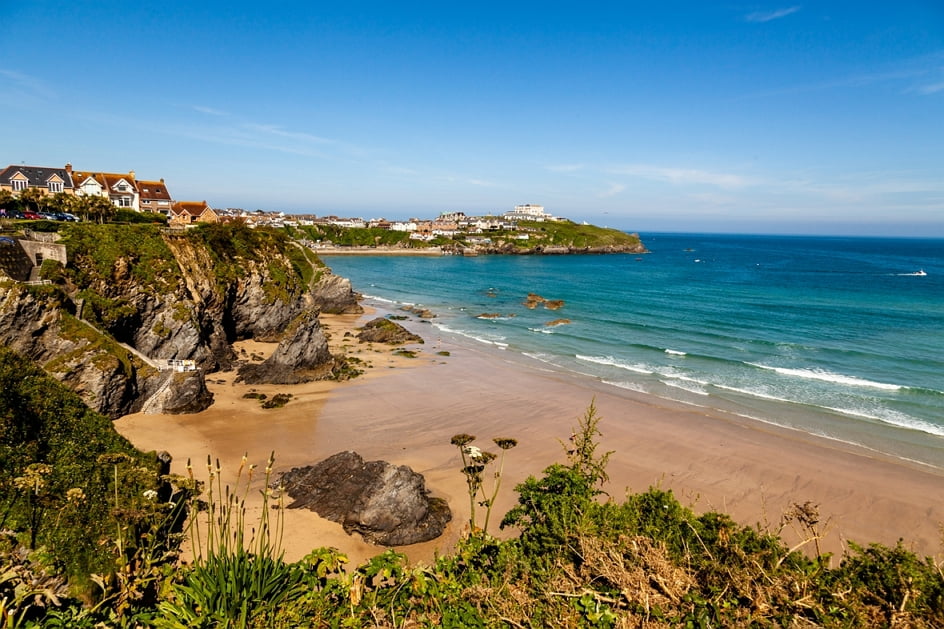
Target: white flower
[
  {"x": 473, "y": 452},
  {"x": 150, "y": 494}
]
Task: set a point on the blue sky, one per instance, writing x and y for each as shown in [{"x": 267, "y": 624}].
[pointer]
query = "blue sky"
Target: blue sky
[{"x": 752, "y": 116}]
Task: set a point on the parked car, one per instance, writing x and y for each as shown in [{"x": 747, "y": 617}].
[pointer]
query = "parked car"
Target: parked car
[{"x": 33, "y": 216}]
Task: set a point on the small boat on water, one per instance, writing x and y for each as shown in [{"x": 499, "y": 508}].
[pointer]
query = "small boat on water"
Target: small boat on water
[{"x": 920, "y": 273}]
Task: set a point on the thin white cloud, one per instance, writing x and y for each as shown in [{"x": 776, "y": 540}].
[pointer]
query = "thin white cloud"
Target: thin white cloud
[
  {"x": 24, "y": 86},
  {"x": 918, "y": 75},
  {"x": 565, "y": 168},
  {"x": 613, "y": 190},
  {"x": 210, "y": 111},
  {"x": 268, "y": 129},
  {"x": 932, "y": 88},
  {"x": 769, "y": 16},
  {"x": 682, "y": 176}
]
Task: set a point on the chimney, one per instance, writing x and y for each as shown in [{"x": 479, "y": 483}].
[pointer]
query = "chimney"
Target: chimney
[
  {"x": 69, "y": 168},
  {"x": 131, "y": 172}
]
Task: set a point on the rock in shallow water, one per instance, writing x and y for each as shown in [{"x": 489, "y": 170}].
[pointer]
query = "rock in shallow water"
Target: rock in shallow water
[{"x": 387, "y": 504}]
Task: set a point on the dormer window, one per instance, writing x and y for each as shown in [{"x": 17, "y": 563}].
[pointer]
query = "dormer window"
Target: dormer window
[
  {"x": 19, "y": 184},
  {"x": 55, "y": 186}
]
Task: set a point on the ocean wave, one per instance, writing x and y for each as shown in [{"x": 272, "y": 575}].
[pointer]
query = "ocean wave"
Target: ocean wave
[
  {"x": 613, "y": 362},
  {"x": 828, "y": 376},
  {"x": 497, "y": 342},
  {"x": 629, "y": 386},
  {"x": 755, "y": 393},
  {"x": 891, "y": 418},
  {"x": 544, "y": 358},
  {"x": 675, "y": 352},
  {"x": 686, "y": 385},
  {"x": 541, "y": 330},
  {"x": 382, "y": 300}
]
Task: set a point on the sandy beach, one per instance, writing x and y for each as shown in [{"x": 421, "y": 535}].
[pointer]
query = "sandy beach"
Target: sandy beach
[{"x": 405, "y": 410}]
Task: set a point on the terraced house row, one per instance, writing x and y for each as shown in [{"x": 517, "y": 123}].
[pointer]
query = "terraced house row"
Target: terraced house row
[{"x": 124, "y": 190}]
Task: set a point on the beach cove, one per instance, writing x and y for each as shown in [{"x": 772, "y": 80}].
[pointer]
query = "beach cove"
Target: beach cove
[{"x": 405, "y": 410}]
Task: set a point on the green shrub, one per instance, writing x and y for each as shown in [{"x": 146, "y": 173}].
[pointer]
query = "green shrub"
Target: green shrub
[{"x": 57, "y": 492}]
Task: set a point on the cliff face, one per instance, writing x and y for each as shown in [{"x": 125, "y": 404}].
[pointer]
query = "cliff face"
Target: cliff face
[{"x": 133, "y": 298}]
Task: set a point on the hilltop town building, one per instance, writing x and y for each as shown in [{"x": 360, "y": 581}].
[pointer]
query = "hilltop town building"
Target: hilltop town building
[
  {"x": 47, "y": 180},
  {"x": 154, "y": 197},
  {"x": 120, "y": 188},
  {"x": 190, "y": 212}
]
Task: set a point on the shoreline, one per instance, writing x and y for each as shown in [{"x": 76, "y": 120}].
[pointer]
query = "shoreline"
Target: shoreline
[
  {"x": 405, "y": 411},
  {"x": 377, "y": 251}
]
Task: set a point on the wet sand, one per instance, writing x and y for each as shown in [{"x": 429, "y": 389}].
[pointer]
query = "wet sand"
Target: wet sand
[{"x": 405, "y": 410}]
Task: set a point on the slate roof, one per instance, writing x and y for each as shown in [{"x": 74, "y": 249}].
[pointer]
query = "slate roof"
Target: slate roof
[{"x": 37, "y": 175}]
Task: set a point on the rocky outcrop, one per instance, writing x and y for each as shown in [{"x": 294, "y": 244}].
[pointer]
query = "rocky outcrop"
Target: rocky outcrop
[
  {"x": 333, "y": 294},
  {"x": 180, "y": 393},
  {"x": 39, "y": 323},
  {"x": 533, "y": 300},
  {"x": 422, "y": 313},
  {"x": 132, "y": 298},
  {"x": 301, "y": 356},
  {"x": 385, "y": 504},
  {"x": 381, "y": 330}
]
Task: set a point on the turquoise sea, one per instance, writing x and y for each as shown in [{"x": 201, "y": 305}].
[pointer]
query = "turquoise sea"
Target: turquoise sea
[{"x": 839, "y": 337}]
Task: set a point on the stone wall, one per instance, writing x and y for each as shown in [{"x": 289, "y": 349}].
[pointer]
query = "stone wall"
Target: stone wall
[
  {"x": 14, "y": 261},
  {"x": 39, "y": 251}
]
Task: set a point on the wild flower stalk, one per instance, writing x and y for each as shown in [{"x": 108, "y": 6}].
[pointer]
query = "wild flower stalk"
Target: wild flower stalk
[
  {"x": 235, "y": 576},
  {"x": 474, "y": 462},
  {"x": 225, "y": 515},
  {"x": 505, "y": 444}
]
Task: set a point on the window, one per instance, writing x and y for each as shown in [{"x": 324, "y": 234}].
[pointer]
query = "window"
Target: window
[
  {"x": 55, "y": 186},
  {"x": 124, "y": 202},
  {"x": 19, "y": 184}
]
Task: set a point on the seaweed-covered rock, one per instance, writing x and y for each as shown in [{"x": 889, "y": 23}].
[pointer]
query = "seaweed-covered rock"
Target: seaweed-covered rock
[
  {"x": 381, "y": 330},
  {"x": 386, "y": 504}
]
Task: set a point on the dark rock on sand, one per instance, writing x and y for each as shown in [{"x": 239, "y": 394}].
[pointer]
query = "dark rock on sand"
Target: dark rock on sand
[{"x": 386, "y": 504}]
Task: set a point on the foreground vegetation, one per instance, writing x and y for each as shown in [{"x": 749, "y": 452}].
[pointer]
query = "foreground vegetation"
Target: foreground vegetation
[{"x": 91, "y": 533}]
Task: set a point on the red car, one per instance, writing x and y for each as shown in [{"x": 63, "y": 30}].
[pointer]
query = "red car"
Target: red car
[{"x": 33, "y": 216}]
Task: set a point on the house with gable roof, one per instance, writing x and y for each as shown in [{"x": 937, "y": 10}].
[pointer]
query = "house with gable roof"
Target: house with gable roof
[
  {"x": 48, "y": 180},
  {"x": 190, "y": 212},
  {"x": 154, "y": 197},
  {"x": 120, "y": 189}
]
